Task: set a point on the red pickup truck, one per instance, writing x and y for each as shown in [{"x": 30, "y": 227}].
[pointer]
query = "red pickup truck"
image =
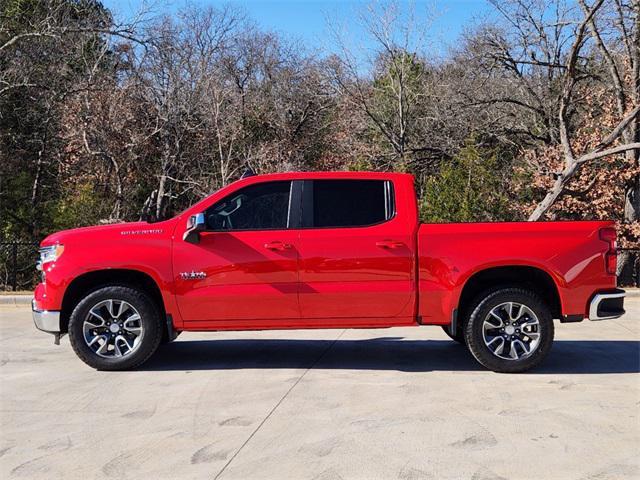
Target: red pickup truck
[{"x": 323, "y": 250}]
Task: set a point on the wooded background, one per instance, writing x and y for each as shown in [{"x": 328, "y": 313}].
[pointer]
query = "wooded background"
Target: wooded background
[{"x": 532, "y": 115}]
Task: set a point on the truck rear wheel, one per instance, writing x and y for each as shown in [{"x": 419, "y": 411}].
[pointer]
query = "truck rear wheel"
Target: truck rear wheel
[
  {"x": 509, "y": 330},
  {"x": 115, "y": 328}
]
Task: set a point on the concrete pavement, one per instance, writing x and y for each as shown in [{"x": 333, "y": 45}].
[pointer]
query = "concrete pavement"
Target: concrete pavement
[{"x": 402, "y": 403}]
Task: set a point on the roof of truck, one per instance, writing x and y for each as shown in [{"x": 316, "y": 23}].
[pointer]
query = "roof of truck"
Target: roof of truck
[{"x": 329, "y": 175}]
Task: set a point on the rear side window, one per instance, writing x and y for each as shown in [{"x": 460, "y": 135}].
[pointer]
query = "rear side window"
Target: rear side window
[
  {"x": 264, "y": 206},
  {"x": 351, "y": 203}
]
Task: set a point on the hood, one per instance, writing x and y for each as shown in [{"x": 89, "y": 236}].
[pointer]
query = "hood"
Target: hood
[{"x": 110, "y": 231}]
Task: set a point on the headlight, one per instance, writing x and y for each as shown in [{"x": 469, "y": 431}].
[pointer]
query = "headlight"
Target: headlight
[{"x": 50, "y": 254}]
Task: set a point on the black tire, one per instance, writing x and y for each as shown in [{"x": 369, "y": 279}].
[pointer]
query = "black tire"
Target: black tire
[
  {"x": 482, "y": 307},
  {"x": 149, "y": 319},
  {"x": 456, "y": 337}
]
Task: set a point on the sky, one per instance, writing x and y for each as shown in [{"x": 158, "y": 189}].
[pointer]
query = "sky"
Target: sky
[{"x": 306, "y": 20}]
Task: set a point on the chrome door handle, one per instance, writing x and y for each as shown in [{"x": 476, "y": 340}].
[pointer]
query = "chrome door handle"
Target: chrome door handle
[{"x": 277, "y": 245}]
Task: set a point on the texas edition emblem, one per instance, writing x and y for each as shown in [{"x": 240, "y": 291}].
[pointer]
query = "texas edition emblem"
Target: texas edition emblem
[{"x": 192, "y": 275}]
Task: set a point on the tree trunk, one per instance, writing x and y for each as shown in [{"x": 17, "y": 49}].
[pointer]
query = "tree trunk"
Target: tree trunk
[
  {"x": 160, "y": 197},
  {"x": 555, "y": 192},
  {"x": 626, "y": 261}
]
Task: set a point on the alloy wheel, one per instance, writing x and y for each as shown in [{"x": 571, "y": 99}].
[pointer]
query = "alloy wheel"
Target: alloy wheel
[
  {"x": 511, "y": 331},
  {"x": 112, "y": 328}
]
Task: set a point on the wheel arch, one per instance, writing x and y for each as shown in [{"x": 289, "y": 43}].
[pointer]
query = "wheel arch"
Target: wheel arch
[
  {"x": 88, "y": 282},
  {"x": 522, "y": 276}
]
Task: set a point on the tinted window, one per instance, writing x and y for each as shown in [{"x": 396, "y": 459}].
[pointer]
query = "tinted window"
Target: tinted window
[
  {"x": 351, "y": 203},
  {"x": 264, "y": 206}
]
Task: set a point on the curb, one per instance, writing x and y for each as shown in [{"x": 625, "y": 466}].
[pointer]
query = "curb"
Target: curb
[{"x": 16, "y": 300}]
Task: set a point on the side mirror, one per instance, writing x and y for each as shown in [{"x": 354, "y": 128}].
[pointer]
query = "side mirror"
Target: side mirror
[{"x": 195, "y": 225}]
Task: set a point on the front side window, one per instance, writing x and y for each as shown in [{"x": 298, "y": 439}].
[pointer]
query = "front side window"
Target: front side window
[
  {"x": 351, "y": 203},
  {"x": 264, "y": 206}
]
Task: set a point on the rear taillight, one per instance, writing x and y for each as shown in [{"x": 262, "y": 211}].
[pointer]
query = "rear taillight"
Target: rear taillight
[{"x": 611, "y": 257}]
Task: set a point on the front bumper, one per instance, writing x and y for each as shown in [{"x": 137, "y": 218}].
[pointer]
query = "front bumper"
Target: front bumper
[
  {"x": 46, "y": 320},
  {"x": 606, "y": 306}
]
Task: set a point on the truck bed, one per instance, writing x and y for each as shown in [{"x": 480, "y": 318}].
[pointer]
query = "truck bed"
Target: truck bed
[{"x": 570, "y": 253}]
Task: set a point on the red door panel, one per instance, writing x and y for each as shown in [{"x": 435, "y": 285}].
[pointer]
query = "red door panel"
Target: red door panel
[
  {"x": 249, "y": 275},
  {"x": 344, "y": 273},
  {"x": 357, "y": 272}
]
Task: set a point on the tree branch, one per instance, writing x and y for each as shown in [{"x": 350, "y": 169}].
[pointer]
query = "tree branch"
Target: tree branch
[{"x": 605, "y": 153}]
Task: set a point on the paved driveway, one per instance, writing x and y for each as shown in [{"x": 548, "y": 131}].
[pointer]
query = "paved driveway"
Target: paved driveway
[{"x": 402, "y": 403}]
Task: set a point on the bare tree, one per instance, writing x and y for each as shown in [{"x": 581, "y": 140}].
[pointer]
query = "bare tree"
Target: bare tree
[
  {"x": 58, "y": 21},
  {"x": 171, "y": 76},
  {"x": 546, "y": 51},
  {"x": 625, "y": 129},
  {"x": 47, "y": 50},
  {"x": 390, "y": 92},
  {"x": 623, "y": 22}
]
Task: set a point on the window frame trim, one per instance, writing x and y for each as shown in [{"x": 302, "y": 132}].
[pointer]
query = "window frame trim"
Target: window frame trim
[
  {"x": 293, "y": 207},
  {"x": 308, "y": 211}
]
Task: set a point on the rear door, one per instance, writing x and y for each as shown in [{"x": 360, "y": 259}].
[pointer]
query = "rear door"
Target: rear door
[{"x": 356, "y": 253}]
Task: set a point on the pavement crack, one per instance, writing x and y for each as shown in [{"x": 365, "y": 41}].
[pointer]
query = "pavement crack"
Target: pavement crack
[{"x": 275, "y": 407}]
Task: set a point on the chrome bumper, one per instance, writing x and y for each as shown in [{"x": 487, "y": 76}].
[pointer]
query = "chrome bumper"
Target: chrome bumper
[
  {"x": 46, "y": 320},
  {"x": 606, "y": 306}
]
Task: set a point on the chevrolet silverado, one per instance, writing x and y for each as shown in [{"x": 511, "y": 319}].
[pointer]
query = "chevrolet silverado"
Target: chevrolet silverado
[{"x": 323, "y": 250}]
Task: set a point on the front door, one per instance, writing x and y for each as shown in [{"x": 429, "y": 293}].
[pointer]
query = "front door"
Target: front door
[
  {"x": 356, "y": 254},
  {"x": 244, "y": 271}
]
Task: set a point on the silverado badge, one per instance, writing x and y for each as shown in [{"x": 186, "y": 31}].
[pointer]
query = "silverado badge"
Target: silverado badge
[{"x": 193, "y": 275}]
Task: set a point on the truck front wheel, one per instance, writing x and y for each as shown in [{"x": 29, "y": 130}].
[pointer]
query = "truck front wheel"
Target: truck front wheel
[
  {"x": 509, "y": 330},
  {"x": 115, "y": 328}
]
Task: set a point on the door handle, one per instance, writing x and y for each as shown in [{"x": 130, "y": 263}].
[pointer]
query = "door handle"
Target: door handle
[
  {"x": 389, "y": 244},
  {"x": 277, "y": 245}
]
